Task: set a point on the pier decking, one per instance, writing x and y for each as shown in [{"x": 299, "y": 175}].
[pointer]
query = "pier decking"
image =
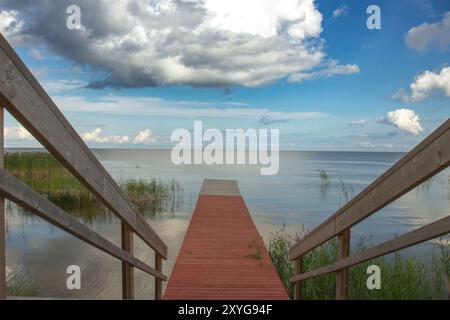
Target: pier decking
[{"x": 223, "y": 256}]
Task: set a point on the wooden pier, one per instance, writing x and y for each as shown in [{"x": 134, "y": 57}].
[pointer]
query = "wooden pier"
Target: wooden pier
[{"x": 223, "y": 256}]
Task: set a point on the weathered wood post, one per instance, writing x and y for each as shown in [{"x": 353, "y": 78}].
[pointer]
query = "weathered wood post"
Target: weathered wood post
[
  {"x": 127, "y": 269},
  {"x": 2, "y": 218},
  {"x": 158, "y": 282},
  {"x": 298, "y": 284},
  {"x": 342, "y": 275}
]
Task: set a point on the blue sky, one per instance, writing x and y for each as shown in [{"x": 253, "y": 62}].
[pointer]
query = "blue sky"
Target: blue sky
[{"x": 311, "y": 69}]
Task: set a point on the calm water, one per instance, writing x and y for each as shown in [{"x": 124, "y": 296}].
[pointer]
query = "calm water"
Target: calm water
[{"x": 293, "y": 198}]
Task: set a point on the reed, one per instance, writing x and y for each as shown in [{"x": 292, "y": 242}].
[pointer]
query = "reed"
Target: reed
[
  {"x": 42, "y": 172},
  {"x": 403, "y": 277},
  {"x": 20, "y": 283},
  {"x": 324, "y": 179}
]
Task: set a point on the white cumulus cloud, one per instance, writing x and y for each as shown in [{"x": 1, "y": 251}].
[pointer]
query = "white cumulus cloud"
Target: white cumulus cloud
[
  {"x": 404, "y": 119},
  {"x": 97, "y": 137},
  {"x": 428, "y": 35},
  {"x": 209, "y": 43},
  {"x": 425, "y": 85},
  {"x": 16, "y": 133},
  {"x": 144, "y": 137},
  {"x": 341, "y": 11}
]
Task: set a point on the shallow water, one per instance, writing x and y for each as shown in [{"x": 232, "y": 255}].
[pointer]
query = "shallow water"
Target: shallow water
[{"x": 293, "y": 198}]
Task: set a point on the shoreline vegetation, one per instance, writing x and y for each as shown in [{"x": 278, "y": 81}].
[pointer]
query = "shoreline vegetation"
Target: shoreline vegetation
[
  {"x": 43, "y": 173},
  {"x": 402, "y": 277}
]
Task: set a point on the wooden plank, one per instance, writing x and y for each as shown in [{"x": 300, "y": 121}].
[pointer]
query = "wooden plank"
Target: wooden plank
[
  {"x": 342, "y": 275},
  {"x": 427, "y": 159},
  {"x": 220, "y": 188},
  {"x": 127, "y": 269},
  {"x": 16, "y": 191},
  {"x": 433, "y": 230},
  {"x": 2, "y": 217},
  {"x": 158, "y": 282},
  {"x": 223, "y": 256},
  {"x": 27, "y": 101}
]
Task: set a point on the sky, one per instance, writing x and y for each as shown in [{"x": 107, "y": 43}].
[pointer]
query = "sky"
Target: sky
[{"x": 134, "y": 71}]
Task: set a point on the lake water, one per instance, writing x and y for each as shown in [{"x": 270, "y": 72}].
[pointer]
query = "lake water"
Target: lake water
[{"x": 294, "y": 199}]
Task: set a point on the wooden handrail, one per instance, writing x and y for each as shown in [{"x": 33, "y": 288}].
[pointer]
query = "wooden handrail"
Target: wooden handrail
[
  {"x": 18, "y": 192},
  {"x": 425, "y": 233},
  {"x": 430, "y": 157},
  {"x": 22, "y": 95},
  {"x": 427, "y": 159}
]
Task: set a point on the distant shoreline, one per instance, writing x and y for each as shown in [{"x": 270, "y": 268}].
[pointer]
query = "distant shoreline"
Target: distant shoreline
[{"x": 32, "y": 149}]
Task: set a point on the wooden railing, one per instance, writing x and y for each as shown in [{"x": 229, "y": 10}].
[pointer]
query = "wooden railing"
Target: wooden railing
[
  {"x": 26, "y": 100},
  {"x": 426, "y": 160}
]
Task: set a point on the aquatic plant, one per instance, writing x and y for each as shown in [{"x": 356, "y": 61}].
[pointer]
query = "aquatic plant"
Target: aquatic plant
[
  {"x": 346, "y": 191},
  {"x": 42, "y": 172},
  {"x": 403, "y": 277},
  {"x": 20, "y": 283},
  {"x": 324, "y": 179}
]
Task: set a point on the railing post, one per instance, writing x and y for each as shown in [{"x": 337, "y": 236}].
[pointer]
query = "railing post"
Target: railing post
[
  {"x": 158, "y": 282},
  {"x": 127, "y": 269},
  {"x": 298, "y": 285},
  {"x": 342, "y": 275},
  {"x": 2, "y": 217}
]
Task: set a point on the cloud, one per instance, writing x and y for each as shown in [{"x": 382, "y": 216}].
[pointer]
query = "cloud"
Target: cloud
[
  {"x": 36, "y": 54},
  {"x": 404, "y": 119},
  {"x": 151, "y": 106},
  {"x": 330, "y": 69},
  {"x": 428, "y": 35},
  {"x": 16, "y": 133},
  {"x": 9, "y": 23},
  {"x": 209, "y": 43},
  {"x": 265, "y": 121},
  {"x": 401, "y": 95},
  {"x": 144, "y": 137},
  {"x": 58, "y": 85},
  {"x": 341, "y": 11},
  {"x": 425, "y": 85},
  {"x": 96, "y": 137},
  {"x": 370, "y": 145},
  {"x": 356, "y": 123}
]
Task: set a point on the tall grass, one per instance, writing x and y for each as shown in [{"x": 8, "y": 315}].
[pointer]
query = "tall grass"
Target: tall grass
[
  {"x": 20, "y": 283},
  {"x": 402, "y": 277},
  {"x": 46, "y": 175}
]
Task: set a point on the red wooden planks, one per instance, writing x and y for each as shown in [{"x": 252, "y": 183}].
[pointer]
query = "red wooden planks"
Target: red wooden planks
[{"x": 223, "y": 256}]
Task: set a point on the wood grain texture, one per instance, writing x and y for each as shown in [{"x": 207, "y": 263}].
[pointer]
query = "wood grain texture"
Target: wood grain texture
[
  {"x": 127, "y": 269},
  {"x": 16, "y": 191},
  {"x": 2, "y": 218},
  {"x": 427, "y": 159},
  {"x": 27, "y": 101},
  {"x": 342, "y": 275},
  {"x": 223, "y": 256}
]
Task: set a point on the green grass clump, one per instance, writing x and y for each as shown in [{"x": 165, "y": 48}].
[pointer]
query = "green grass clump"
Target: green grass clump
[
  {"x": 402, "y": 277},
  {"x": 42, "y": 172},
  {"x": 20, "y": 283}
]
